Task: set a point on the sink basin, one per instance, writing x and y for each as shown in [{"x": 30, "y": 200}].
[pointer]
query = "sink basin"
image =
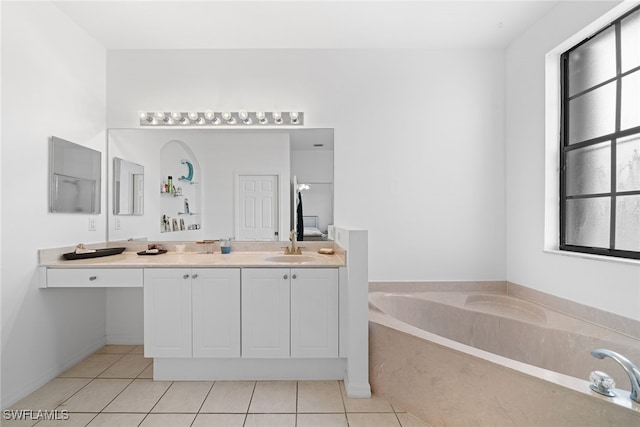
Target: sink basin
[{"x": 290, "y": 259}]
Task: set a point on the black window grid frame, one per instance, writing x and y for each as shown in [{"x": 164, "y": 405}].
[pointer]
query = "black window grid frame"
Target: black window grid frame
[{"x": 613, "y": 137}]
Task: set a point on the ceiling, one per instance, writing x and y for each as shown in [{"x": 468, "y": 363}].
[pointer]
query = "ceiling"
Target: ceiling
[{"x": 319, "y": 24}]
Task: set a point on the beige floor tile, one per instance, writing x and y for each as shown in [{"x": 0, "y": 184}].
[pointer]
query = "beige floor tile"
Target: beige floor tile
[
  {"x": 321, "y": 420},
  {"x": 117, "y": 420},
  {"x": 17, "y": 423},
  {"x": 370, "y": 420},
  {"x": 232, "y": 397},
  {"x": 52, "y": 394},
  {"x": 95, "y": 396},
  {"x": 396, "y": 408},
  {"x": 140, "y": 396},
  {"x": 270, "y": 420},
  {"x": 319, "y": 396},
  {"x": 168, "y": 420},
  {"x": 139, "y": 349},
  {"x": 129, "y": 366},
  {"x": 74, "y": 420},
  {"x": 373, "y": 404},
  {"x": 147, "y": 373},
  {"x": 274, "y": 397},
  {"x": 92, "y": 366},
  {"x": 184, "y": 397},
  {"x": 116, "y": 349},
  {"x": 408, "y": 420},
  {"x": 219, "y": 420}
]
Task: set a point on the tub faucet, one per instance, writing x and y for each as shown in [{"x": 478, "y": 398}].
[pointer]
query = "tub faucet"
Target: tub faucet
[
  {"x": 632, "y": 370},
  {"x": 293, "y": 250}
]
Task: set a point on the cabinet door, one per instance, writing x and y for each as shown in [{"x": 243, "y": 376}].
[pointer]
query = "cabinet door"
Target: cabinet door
[
  {"x": 167, "y": 312},
  {"x": 265, "y": 312},
  {"x": 314, "y": 312},
  {"x": 216, "y": 312}
]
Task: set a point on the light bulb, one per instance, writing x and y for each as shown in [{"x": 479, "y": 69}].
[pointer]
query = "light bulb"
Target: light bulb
[
  {"x": 243, "y": 115},
  {"x": 146, "y": 117},
  {"x": 294, "y": 117},
  {"x": 277, "y": 117},
  {"x": 228, "y": 117},
  {"x": 209, "y": 115},
  {"x": 160, "y": 116},
  {"x": 176, "y": 116},
  {"x": 193, "y": 116},
  {"x": 262, "y": 118}
]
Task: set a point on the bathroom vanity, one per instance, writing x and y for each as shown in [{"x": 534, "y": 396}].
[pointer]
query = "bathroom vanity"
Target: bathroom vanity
[{"x": 252, "y": 314}]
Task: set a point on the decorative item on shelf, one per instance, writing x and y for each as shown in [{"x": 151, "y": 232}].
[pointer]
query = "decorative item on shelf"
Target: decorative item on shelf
[
  {"x": 174, "y": 225},
  {"x": 241, "y": 118},
  {"x": 170, "y": 184},
  {"x": 189, "y": 176},
  {"x": 182, "y": 227},
  {"x": 186, "y": 206}
]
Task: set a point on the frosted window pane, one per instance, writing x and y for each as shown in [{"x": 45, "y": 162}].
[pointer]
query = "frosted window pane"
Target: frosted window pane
[
  {"x": 628, "y": 223},
  {"x": 628, "y": 164},
  {"x": 593, "y": 114},
  {"x": 593, "y": 62},
  {"x": 630, "y": 41},
  {"x": 587, "y": 222},
  {"x": 589, "y": 170},
  {"x": 630, "y": 101}
]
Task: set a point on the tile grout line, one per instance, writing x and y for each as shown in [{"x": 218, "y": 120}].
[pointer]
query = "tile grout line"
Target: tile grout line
[{"x": 246, "y": 414}]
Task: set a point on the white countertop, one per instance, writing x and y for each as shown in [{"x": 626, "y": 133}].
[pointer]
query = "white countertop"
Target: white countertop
[{"x": 130, "y": 259}]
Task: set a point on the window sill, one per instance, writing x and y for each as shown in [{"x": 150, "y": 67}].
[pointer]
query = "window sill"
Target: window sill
[{"x": 627, "y": 261}]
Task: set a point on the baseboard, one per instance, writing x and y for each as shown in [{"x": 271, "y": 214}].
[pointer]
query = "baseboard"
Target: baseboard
[
  {"x": 12, "y": 398},
  {"x": 356, "y": 390},
  {"x": 125, "y": 339}
]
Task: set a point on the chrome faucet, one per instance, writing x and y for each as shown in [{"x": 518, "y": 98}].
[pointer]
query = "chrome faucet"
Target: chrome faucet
[
  {"x": 632, "y": 370},
  {"x": 293, "y": 250}
]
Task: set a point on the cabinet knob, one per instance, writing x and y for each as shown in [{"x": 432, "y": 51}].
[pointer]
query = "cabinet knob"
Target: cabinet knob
[
  {"x": 194, "y": 276},
  {"x": 186, "y": 276},
  {"x": 285, "y": 277},
  {"x": 293, "y": 277},
  {"x": 92, "y": 278}
]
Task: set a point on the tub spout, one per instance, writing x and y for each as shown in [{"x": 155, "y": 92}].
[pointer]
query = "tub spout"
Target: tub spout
[{"x": 632, "y": 370}]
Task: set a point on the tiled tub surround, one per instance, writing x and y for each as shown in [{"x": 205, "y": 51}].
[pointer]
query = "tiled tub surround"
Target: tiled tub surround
[{"x": 476, "y": 354}]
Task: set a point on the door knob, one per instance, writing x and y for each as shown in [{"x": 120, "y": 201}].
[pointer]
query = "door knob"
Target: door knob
[
  {"x": 92, "y": 278},
  {"x": 293, "y": 277},
  {"x": 285, "y": 277},
  {"x": 194, "y": 276},
  {"x": 186, "y": 276}
]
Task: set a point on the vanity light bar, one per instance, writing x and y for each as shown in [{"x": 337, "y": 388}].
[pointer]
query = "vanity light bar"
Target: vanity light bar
[{"x": 224, "y": 118}]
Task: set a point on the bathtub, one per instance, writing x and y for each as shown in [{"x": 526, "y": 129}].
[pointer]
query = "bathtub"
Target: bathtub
[{"x": 491, "y": 359}]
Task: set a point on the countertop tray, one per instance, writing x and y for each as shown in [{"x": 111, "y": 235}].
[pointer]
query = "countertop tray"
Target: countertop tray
[
  {"x": 160, "y": 251},
  {"x": 98, "y": 253}
]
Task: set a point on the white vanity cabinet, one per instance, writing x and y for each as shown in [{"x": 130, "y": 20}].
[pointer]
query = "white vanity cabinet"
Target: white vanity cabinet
[
  {"x": 192, "y": 312},
  {"x": 289, "y": 313},
  {"x": 314, "y": 312},
  {"x": 215, "y": 295},
  {"x": 265, "y": 312},
  {"x": 167, "y": 312}
]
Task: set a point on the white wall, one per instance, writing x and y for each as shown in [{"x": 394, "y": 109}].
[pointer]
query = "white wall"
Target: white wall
[
  {"x": 419, "y": 138},
  {"x": 608, "y": 285},
  {"x": 53, "y": 83}
]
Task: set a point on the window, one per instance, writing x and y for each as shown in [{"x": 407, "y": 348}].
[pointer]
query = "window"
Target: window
[{"x": 600, "y": 142}]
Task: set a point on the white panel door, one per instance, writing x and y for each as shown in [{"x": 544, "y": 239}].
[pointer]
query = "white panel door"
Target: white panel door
[
  {"x": 314, "y": 312},
  {"x": 257, "y": 207},
  {"x": 216, "y": 312},
  {"x": 167, "y": 312},
  {"x": 265, "y": 312}
]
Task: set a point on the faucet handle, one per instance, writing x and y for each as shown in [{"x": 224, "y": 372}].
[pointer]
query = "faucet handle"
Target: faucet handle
[{"x": 602, "y": 383}]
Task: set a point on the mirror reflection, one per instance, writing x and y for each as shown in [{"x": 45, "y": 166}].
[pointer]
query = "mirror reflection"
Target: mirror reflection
[
  {"x": 128, "y": 187},
  {"x": 74, "y": 177},
  {"x": 211, "y": 184}
]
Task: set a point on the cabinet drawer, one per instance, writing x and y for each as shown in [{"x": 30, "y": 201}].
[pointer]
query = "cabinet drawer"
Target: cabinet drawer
[{"x": 94, "y": 277}]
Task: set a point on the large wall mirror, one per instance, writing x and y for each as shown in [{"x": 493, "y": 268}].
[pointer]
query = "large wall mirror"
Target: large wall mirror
[
  {"x": 128, "y": 187},
  {"x": 74, "y": 177},
  {"x": 202, "y": 184}
]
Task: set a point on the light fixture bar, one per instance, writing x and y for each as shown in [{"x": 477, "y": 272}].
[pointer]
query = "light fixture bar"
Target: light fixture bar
[{"x": 240, "y": 118}]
